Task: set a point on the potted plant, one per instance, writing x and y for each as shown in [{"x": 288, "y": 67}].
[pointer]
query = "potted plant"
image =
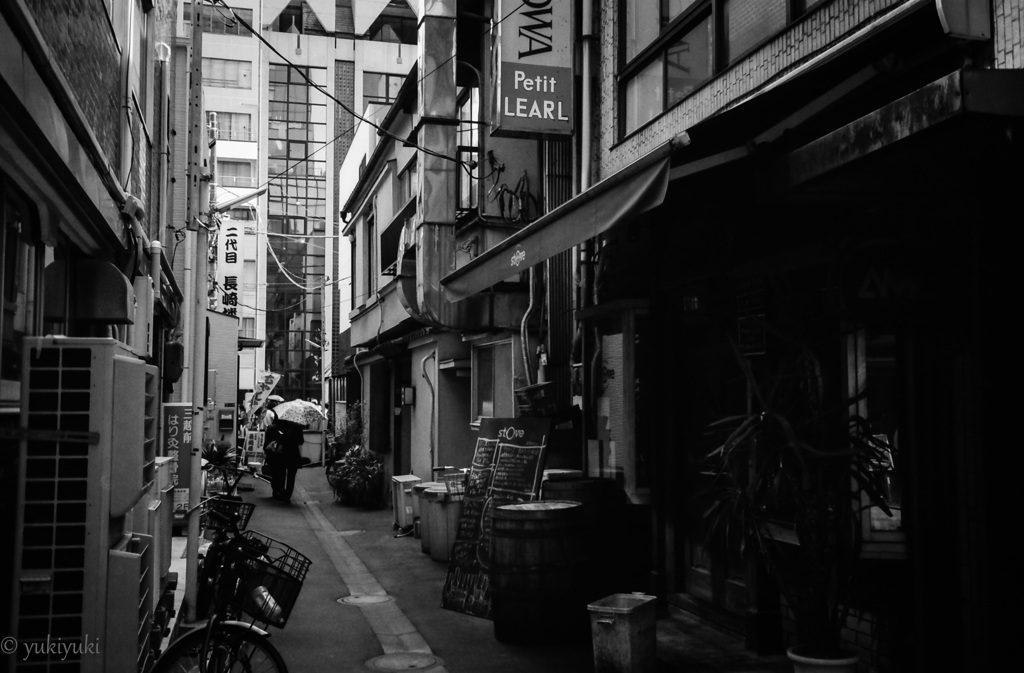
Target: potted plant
[
  {"x": 355, "y": 473},
  {"x": 795, "y": 459},
  {"x": 358, "y": 478}
]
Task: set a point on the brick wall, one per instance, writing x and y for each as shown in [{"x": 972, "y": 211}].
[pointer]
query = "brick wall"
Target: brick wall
[
  {"x": 344, "y": 90},
  {"x": 1008, "y": 24},
  {"x": 81, "y": 42}
]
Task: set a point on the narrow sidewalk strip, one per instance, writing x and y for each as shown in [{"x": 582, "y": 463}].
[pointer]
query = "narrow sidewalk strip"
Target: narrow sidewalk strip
[{"x": 389, "y": 624}]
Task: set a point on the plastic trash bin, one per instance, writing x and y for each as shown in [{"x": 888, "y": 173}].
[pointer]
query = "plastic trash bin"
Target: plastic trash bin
[
  {"x": 401, "y": 499},
  {"x": 420, "y": 511},
  {"x": 624, "y": 633},
  {"x": 443, "y": 521}
]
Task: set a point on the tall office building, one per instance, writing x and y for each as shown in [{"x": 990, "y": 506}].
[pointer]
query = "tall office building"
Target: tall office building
[{"x": 282, "y": 105}]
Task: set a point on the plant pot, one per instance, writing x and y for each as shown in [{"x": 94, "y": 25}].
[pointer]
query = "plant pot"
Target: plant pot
[{"x": 803, "y": 663}]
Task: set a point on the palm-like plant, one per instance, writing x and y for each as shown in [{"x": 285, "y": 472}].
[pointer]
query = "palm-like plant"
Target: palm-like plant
[{"x": 792, "y": 459}]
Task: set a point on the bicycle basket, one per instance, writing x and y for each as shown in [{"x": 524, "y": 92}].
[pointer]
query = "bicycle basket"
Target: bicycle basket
[
  {"x": 455, "y": 482},
  {"x": 271, "y": 579},
  {"x": 235, "y": 509}
]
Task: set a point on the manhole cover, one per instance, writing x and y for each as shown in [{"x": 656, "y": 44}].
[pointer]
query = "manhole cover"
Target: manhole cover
[
  {"x": 403, "y": 661},
  {"x": 364, "y": 600}
]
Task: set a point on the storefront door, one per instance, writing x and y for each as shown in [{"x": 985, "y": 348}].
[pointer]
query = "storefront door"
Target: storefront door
[{"x": 709, "y": 581}]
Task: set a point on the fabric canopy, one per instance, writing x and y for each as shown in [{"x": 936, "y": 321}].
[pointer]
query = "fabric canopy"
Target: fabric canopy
[{"x": 635, "y": 189}]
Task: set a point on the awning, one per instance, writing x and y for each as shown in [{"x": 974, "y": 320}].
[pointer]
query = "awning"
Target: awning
[
  {"x": 979, "y": 94},
  {"x": 633, "y": 190}
]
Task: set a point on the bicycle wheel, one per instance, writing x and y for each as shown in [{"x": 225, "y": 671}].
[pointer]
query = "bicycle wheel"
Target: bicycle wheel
[{"x": 233, "y": 649}]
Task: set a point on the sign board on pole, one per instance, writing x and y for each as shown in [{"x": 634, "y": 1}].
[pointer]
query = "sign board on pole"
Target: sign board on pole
[
  {"x": 265, "y": 382},
  {"x": 533, "y": 67},
  {"x": 177, "y": 443}
]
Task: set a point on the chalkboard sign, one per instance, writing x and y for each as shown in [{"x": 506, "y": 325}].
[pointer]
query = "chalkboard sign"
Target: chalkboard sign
[{"x": 508, "y": 463}]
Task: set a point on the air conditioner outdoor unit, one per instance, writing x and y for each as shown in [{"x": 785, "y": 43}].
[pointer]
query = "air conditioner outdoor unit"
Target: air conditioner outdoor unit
[{"x": 87, "y": 455}]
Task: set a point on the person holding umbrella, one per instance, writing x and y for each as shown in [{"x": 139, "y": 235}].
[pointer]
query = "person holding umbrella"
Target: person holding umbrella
[
  {"x": 283, "y": 457},
  {"x": 285, "y": 435}
]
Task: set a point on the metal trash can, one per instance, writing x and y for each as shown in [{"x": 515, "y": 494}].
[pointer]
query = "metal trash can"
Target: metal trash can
[{"x": 624, "y": 633}]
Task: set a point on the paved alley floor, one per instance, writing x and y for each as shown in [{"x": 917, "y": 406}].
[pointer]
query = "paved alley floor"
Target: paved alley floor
[{"x": 372, "y": 602}]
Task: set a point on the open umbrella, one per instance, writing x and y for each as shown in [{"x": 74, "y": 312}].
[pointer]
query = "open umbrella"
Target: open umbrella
[{"x": 300, "y": 412}]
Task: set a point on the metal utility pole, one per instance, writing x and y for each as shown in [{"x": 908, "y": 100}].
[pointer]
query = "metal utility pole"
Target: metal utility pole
[{"x": 197, "y": 212}]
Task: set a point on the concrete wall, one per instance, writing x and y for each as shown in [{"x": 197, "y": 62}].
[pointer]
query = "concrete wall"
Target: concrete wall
[{"x": 441, "y": 433}]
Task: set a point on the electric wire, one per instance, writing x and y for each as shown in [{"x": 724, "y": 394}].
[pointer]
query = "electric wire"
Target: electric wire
[
  {"x": 324, "y": 91},
  {"x": 343, "y": 106}
]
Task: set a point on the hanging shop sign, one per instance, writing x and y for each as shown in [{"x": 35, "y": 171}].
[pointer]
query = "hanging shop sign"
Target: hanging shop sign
[
  {"x": 177, "y": 443},
  {"x": 229, "y": 266},
  {"x": 533, "y": 67}
]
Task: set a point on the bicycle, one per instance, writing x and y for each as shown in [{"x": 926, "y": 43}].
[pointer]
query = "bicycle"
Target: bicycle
[{"x": 244, "y": 573}]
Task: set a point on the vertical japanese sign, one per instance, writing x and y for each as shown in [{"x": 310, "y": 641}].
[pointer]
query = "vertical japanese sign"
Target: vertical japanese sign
[
  {"x": 177, "y": 443},
  {"x": 265, "y": 382},
  {"x": 533, "y": 67},
  {"x": 229, "y": 266}
]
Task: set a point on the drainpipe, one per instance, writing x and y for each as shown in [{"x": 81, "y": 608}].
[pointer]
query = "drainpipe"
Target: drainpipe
[
  {"x": 423, "y": 369},
  {"x": 524, "y": 334},
  {"x": 586, "y": 37},
  {"x": 584, "y": 259}
]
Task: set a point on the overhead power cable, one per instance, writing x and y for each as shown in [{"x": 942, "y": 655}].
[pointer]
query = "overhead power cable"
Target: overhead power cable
[{"x": 343, "y": 106}]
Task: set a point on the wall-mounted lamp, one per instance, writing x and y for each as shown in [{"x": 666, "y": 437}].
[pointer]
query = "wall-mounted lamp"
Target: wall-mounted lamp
[
  {"x": 408, "y": 396},
  {"x": 399, "y": 60}
]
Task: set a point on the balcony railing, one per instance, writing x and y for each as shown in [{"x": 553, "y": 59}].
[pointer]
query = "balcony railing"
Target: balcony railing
[
  {"x": 235, "y": 181},
  {"x": 240, "y": 136}
]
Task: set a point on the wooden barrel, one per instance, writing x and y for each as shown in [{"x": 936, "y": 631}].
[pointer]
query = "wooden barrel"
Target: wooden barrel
[
  {"x": 602, "y": 501},
  {"x": 537, "y": 588}
]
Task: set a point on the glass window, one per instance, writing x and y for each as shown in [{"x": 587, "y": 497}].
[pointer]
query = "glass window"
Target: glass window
[
  {"x": 688, "y": 63},
  {"x": 468, "y": 139},
  {"x": 230, "y": 125},
  {"x": 644, "y": 96},
  {"x": 249, "y": 275},
  {"x": 642, "y": 24},
  {"x": 21, "y": 263},
  {"x": 875, "y": 384},
  {"x": 669, "y": 48},
  {"x": 235, "y": 173},
  {"x": 748, "y": 22},
  {"x": 381, "y": 87},
  {"x": 227, "y": 73},
  {"x": 296, "y": 206},
  {"x": 219, "y": 21},
  {"x": 249, "y": 328}
]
